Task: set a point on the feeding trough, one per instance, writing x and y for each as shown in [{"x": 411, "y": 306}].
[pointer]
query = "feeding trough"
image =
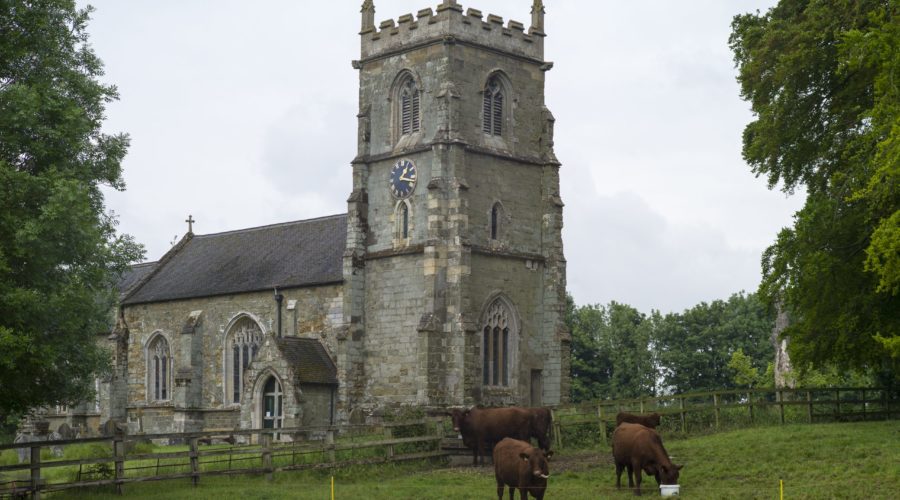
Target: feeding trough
[{"x": 668, "y": 490}]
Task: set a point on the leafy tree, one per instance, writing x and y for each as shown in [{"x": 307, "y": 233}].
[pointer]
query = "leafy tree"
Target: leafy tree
[
  {"x": 611, "y": 356},
  {"x": 59, "y": 251},
  {"x": 821, "y": 77},
  {"x": 747, "y": 375},
  {"x": 694, "y": 348}
]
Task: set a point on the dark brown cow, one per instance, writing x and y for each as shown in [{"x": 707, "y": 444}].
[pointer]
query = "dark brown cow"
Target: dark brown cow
[
  {"x": 480, "y": 427},
  {"x": 651, "y": 420},
  {"x": 541, "y": 423},
  {"x": 638, "y": 448},
  {"x": 517, "y": 464}
]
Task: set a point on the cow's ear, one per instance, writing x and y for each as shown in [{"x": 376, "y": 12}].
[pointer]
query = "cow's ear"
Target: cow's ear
[
  {"x": 549, "y": 454},
  {"x": 524, "y": 456},
  {"x": 678, "y": 467}
]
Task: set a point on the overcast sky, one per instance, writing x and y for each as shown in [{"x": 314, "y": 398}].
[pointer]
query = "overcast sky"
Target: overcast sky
[{"x": 240, "y": 113}]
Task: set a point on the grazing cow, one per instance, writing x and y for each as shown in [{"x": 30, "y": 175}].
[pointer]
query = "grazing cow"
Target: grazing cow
[
  {"x": 481, "y": 426},
  {"x": 517, "y": 464},
  {"x": 651, "y": 420},
  {"x": 638, "y": 448},
  {"x": 541, "y": 423}
]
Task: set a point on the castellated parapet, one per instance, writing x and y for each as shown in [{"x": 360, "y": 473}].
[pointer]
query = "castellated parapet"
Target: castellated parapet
[{"x": 451, "y": 23}]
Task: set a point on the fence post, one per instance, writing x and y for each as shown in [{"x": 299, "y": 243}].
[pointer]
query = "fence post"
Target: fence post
[
  {"x": 602, "y": 424},
  {"x": 683, "y": 422},
  {"x": 195, "y": 462},
  {"x": 36, "y": 472},
  {"x": 388, "y": 435},
  {"x": 809, "y": 410},
  {"x": 119, "y": 457},
  {"x": 329, "y": 444},
  {"x": 837, "y": 404},
  {"x": 642, "y": 406},
  {"x": 780, "y": 396},
  {"x": 265, "y": 440},
  {"x": 716, "y": 408},
  {"x": 865, "y": 417},
  {"x": 557, "y": 431},
  {"x": 750, "y": 405}
]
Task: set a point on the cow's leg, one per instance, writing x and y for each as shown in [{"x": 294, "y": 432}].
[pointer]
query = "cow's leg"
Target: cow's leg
[
  {"x": 523, "y": 493},
  {"x": 630, "y": 475},
  {"x": 619, "y": 468},
  {"x": 475, "y": 456},
  {"x": 637, "y": 481},
  {"x": 499, "y": 490}
]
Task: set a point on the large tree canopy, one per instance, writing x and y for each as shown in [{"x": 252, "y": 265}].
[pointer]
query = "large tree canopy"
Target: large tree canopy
[
  {"x": 823, "y": 79},
  {"x": 59, "y": 251}
]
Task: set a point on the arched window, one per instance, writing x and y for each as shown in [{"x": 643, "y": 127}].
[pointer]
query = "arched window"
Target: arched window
[
  {"x": 272, "y": 404},
  {"x": 402, "y": 220},
  {"x": 492, "y": 112},
  {"x": 496, "y": 212},
  {"x": 497, "y": 345},
  {"x": 409, "y": 106},
  {"x": 241, "y": 345},
  {"x": 159, "y": 366}
]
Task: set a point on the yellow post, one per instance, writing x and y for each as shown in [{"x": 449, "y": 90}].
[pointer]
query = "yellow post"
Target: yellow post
[
  {"x": 780, "y": 489},
  {"x": 332, "y": 487}
]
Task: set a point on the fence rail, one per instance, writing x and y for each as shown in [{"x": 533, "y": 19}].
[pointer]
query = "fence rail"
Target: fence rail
[
  {"x": 263, "y": 451},
  {"x": 270, "y": 451},
  {"x": 704, "y": 411}
]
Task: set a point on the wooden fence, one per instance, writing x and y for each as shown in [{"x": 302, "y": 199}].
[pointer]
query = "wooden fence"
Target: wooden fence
[
  {"x": 263, "y": 451},
  {"x": 705, "y": 411}
]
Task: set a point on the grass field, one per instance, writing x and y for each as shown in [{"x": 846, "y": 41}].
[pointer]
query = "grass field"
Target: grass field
[{"x": 847, "y": 460}]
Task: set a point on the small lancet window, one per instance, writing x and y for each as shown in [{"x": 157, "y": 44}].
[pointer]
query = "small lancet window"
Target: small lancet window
[
  {"x": 495, "y": 221},
  {"x": 493, "y": 107},
  {"x": 409, "y": 107},
  {"x": 404, "y": 221}
]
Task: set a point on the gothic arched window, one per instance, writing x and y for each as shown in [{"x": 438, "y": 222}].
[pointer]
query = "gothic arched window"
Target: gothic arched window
[
  {"x": 409, "y": 106},
  {"x": 492, "y": 111},
  {"x": 496, "y": 212},
  {"x": 241, "y": 345},
  {"x": 403, "y": 220},
  {"x": 496, "y": 347},
  {"x": 159, "y": 363}
]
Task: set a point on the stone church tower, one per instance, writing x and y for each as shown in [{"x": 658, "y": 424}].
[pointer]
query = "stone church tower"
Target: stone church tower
[
  {"x": 454, "y": 275},
  {"x": 443, "y": 284}
]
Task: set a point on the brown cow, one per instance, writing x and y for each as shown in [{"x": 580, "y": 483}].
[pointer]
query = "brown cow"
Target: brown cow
[
  {"x": 541, "y": 423},
  {"x": 638, "y": 448},
  {"x": 480, "y": 427},
  {"x": 651, "y": 420},
  {"x": 517, "y": 464}
]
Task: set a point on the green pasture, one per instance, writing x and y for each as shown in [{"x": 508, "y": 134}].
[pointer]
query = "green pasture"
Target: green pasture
[{"x": 836, "y": 460}]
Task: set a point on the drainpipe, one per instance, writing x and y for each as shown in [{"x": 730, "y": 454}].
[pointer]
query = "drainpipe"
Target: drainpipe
[{"x": 278, "y": 299}]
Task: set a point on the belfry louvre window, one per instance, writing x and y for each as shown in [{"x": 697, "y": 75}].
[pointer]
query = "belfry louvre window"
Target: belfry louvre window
[
  {"x": 409, "y": 107},
  {"x": 493, "y": 108},
  {"x": 495, "y": 346}
]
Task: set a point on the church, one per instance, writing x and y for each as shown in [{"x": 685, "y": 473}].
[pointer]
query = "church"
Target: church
[{"x": 443, "y": 284}]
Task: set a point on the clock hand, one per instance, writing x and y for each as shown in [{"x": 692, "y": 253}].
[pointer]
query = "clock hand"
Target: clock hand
[{"x": 404, "y": 178}]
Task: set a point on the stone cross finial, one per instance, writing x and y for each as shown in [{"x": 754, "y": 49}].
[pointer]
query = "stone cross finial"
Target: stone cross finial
[
  {"x": 190, "y": 220},
  {"x": 368, "y": 16},
  {"x": 537, "y": 15}
]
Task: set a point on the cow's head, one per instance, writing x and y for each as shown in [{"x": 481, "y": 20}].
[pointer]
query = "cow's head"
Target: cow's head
[
  {"x": 668, "y": 474},
  {"x": 538, "y": 461},
  {"x": 458, "y": 417}
]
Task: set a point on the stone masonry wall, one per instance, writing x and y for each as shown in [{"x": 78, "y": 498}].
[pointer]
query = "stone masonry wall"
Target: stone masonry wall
[{"x": 316, "y": 313}]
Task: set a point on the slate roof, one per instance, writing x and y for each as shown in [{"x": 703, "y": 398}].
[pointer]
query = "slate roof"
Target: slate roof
[
  {"x": 288, "y": 255},
  {"x": 309, "y": 360},
  {"x": 132, "y": 276}
]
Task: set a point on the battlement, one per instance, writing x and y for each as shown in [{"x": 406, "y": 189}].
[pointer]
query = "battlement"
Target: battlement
[{"x": 450, "y": 22}]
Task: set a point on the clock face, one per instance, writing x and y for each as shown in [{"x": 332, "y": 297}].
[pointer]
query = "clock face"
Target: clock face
[{"x": 403, "y": 178}]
